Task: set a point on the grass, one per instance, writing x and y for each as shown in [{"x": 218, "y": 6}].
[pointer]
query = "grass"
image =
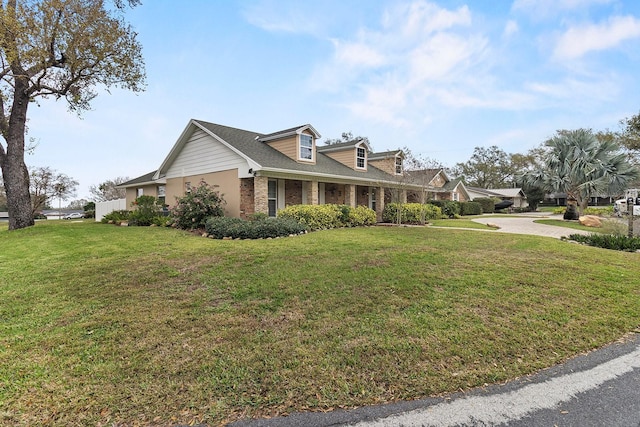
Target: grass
[
  {"x": 104, "y": 325},
  {"x": 575, "y": 225},
  {"x": 459, "y": 223}
]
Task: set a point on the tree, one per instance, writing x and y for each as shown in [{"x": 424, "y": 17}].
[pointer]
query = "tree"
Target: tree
[
  {"x": 577, "y": 163},
  {"x": 3, "y": 197},
  {"x": 487, "y": 168},
  {"x": 46, "y": 184},
  {"x": 107, "y": 190},
  {"x": 59, "y": 49}
]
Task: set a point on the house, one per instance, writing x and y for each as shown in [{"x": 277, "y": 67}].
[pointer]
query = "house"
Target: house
[
  {"x": 263, "y": 173},
  {"x": 515, "y": 195}
]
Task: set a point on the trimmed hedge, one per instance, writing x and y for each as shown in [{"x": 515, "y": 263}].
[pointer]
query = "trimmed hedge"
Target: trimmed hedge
[
  {"x": 470, "y": 208},
  {"x": 236, "y": 228},
  {"x": 322, "y": 217},
  {"x": 449, "y": 208},
  {"x": 487, "y": 203},
  {"x": 411, "y": 213}
]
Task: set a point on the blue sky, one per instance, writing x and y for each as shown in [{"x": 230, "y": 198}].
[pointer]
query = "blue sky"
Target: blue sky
[{"x": 440, "y": 77}]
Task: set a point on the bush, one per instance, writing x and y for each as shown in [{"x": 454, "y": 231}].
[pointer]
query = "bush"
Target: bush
[
  {"x": 236, "y": 228},
  {"x": 487, "y": 204},
  {"x": 358, "y": 216},
  {"x": 147, "y": 209},
  {"x": 116, "y": 217},
  {"x": 449, "y": 208},
  {"x": 192, "y": 211},
  {"x": 603, "y": 211},
  {"x": 609, "y": 241},
  {"x": 470, "y": 208},
  {"x": 411, "y": 213}
]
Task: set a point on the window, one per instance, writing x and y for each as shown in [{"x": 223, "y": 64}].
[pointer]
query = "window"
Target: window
[
  {"x": 456, "y": 197},
  {"x": 306, "y": 147},
  {"x": 361, "y": 157},
  {"x": 372, "y": 198},
  {"x": 161, "y": 190},
  {"x": 272, "y": 196},
  {"x": 140, "y": 192},
  {"x": 398, "y": 165},
  {"x": 187, "y": 187}
]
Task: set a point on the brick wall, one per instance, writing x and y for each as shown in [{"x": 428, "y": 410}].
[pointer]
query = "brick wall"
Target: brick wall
[{"x": 247, "y": 204}]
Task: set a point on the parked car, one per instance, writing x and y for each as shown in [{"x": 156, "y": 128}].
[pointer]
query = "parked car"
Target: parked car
[{"x": 73, "y": 215}]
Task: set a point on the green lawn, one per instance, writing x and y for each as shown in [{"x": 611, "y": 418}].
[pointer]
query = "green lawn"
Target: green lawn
[{"x": 105, "y": 325}]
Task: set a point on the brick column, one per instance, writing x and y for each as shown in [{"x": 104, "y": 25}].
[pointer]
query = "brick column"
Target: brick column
[
  {"x": 260, "y": 194},
  {"x": 379, "y": 203},
  {"x": 350, "y": 195},
  {"x": 311, "y": 187}
]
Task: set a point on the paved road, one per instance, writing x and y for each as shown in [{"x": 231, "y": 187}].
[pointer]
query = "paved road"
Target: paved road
[
  {"x": 525, "y": 225},
  {"x": 601, "y": 388}
]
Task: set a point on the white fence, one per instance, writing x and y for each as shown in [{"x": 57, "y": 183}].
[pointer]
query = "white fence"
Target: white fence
[{"x": 104, "y": 208}]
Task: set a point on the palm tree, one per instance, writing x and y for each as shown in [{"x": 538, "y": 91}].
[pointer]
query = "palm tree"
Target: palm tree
[{"x": 578, "y": 164}]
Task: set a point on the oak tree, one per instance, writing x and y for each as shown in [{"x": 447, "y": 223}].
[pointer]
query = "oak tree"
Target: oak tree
[{"x": 61, "y": 49}]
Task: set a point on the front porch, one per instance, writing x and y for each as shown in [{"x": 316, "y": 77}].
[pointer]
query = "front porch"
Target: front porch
[{"x": 267, "y": 195}]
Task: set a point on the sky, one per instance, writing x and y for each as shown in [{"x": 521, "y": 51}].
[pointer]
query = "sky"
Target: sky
[{"x": 438, "y": 77}]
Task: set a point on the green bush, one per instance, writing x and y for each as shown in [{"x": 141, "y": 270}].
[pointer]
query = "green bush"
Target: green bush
[
  {"x": 192, "y": 211},
  {"x": 146, "y": 210},
  {"x": 601, "y": 211},
  {"x": 487, "y": 203},
  {"x": 116, "y": 217},
  {"x": 359, "y": 216},
  {"x": 322, "y": 217},
  {"x": 470, "y": 208},
  {"x": 449, "y": 208},
  {"x": 609, "y": 241},
  {"x": 411, "y": 213},
  {"x": 236, "y": 228}
]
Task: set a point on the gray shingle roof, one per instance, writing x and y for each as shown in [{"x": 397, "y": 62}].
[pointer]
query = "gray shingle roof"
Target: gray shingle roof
[
  {"x": 268, "y": 157},
  {"x": 148, "y": 177}
]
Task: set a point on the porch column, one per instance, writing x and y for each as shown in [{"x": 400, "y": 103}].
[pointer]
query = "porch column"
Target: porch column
[
  {"x": 379, "y": 203},
  {"x": 260, "y": 194},
  {"x": 350, "y": 195},
  {"x": 311, "y": 189},
  {"x": 403, "y": 196}
]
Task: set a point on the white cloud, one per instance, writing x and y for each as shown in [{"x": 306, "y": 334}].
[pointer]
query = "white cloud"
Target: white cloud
[
  {"x": 510, "y": 28},
  {"x": 418, "y": 47},
  {"x": 580, "y": 40}
]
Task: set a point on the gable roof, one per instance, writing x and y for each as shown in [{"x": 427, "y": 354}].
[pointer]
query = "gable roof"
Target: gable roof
[
  {"x": 144, "y": 179},
  {"x": 498, "y": 192},
  {"x": 344, "y": 146},
  {"x": 385, "y": 154},
  {"x": 261, "y": 156}
]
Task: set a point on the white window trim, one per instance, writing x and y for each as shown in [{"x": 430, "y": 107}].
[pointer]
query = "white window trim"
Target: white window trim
[
  {"x": 313, "y": 148},
  {"x": 396, "y": 165},
  {"x": 359, "y": 147}
]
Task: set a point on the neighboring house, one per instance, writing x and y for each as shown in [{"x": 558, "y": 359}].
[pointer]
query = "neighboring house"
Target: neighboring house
[
  {"x": 438, "y": 186},
  {"x": 516, "y": 195},
  {"x": 263, "y": 173},
  {"x": 560, "y": 199}
]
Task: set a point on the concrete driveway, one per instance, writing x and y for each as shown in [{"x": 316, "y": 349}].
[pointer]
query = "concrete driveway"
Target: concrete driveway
[{"x": 525, "y": 224}]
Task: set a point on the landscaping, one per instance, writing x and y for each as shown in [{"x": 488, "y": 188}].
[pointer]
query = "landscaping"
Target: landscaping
[{"x": 128, "y": 326}]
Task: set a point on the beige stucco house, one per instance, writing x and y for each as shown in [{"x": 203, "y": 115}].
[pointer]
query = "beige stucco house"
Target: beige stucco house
[{"x": 263, "y": 173}]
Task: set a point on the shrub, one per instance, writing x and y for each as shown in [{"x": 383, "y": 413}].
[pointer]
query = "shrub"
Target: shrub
[
  {"x": 316, "y": 217},
  {"x": 449, "y": 208},
  {"x": 487, "y": 204},
  {"x": 608, "y": 241},
  {"x": 147, "y": 209},
  {"x": 322, "y": 217},
  {"x": 116, "y": 217},
  {"x": 360, "y": 216},
  {"x": 470, "y": 208},
  {"x": 411, "y": 213},
  {"x": 602, "y": 211},
  {"x": 236, "y": 228},
  {"x": 192, "y": 211}
]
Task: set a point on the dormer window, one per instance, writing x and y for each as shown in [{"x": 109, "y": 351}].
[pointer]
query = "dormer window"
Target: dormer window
[
  {"x": 398, "y": 165},
  {"x": 361, "y": 158},
  {"x": 306, "y": 147}
]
